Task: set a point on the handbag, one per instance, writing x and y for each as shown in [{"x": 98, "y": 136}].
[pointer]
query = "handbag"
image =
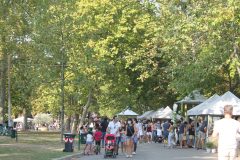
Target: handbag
[{"x": 135, "y": 138}]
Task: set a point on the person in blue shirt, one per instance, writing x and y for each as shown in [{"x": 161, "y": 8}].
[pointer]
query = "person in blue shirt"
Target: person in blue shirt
[
  {"x": 166, "y": 126},
  {"x": 182, "y": 133}
]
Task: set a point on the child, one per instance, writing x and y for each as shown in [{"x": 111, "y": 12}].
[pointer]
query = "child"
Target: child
[
  {"x": 89, "y": 142},
  {"x": 97, "y": 138},
  {"x": 171, "y": 136},
  {"x": 123, "y": 137},
  {"x": 159, "y": 135}
]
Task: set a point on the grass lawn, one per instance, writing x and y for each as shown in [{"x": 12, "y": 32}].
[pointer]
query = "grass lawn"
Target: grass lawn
[{"x": 33, "y": 146}]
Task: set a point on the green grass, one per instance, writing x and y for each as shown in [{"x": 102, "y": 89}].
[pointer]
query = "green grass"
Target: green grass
[{"x": 33, "y": 146}]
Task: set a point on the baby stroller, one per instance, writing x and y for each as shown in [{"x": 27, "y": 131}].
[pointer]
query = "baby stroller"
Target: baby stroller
[
  {"x": 110, "y": 144},
  {"x": 159, "y": 139}
]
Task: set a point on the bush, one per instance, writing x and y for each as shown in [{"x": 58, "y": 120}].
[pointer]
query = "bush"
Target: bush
[
  {"x": 210, "y": 145},
  {"x": 43, "y": 119}
]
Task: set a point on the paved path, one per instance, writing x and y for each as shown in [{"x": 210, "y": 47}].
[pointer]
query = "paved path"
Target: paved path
[{"x": 158, "y": 152}]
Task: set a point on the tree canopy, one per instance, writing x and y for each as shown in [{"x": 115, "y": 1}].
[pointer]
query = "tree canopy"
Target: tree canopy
[{"x": 143, "y": 54}]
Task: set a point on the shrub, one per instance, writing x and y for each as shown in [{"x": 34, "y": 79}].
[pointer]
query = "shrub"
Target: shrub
[
  {"x": 42, "y": 119},
  {"x": 209, "y": 145}
]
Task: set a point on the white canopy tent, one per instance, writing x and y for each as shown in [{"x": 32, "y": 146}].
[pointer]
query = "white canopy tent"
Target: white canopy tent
[
  {"x": 166, "y": 113},
  {"x": 198, "y": 108},
  {"x": 143, "y": 116},
  {"x": 194, "y": 98},
  {"x": 21, "y": 119},
  {"x": 150, "y": 115},
  {"x": 157, "y": 113},
  {"x": 216, "y": 107},
  {"x": 127, "y": 112}
]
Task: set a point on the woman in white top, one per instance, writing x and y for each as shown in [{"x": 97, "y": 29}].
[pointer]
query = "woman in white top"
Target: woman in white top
[
  {"x": 89, "y": 142},
  {"x": 140, "y": 131}
]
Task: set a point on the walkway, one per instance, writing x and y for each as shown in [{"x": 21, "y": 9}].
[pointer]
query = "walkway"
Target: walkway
[{"x": 157, "y": 152}]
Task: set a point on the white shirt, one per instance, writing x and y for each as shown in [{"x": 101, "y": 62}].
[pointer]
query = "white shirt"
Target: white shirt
[
  {"x": 227, "y": 130},
  {"x": 140, "y": 127},
  {"x": 114, "y": 128},
  {"x": 89, "y": 138},
  {"x": 159, "y": 132}
]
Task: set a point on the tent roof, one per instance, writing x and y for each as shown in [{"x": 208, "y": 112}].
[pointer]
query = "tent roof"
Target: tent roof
[
  {"x": 167, "y": 113},
  {"x": 158, "y": 112},
  {"x": 145, "y": 114},
  {"x": 193, "y": 98},
  {"x": 150, "y": 115},
  {"x": 127, "y": 112},
  {"x": 161, "y": 112},
  {"x": 216, "y": 107},
  {"x": 21, "y": 119},
  {"x": 201, "y": 106}
]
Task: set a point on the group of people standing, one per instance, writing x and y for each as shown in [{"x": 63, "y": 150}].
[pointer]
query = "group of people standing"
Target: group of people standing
[
  {"x": 127, "y": 133},
  {"x": 186, "y": 134},
  {"x": 131, "y": 131}
]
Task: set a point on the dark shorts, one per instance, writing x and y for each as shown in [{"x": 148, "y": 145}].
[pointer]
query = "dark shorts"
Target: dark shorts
[
  {"x": 118, "y": 140},
  {"x": 165, "y": 134},
  {"x": 103, "y": 135},
  {"x": 98, "y": 143}
]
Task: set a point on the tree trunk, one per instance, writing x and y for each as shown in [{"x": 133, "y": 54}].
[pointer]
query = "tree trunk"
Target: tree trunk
[
  {"x": 236, "y": 53},
  {"x": 68, "y": 124},
  {"x": 75, "y": 123},
  {"x": 85, "y": 108},
  {"x": 24, "y": 120},
  {"x": 3, "y": 77}
]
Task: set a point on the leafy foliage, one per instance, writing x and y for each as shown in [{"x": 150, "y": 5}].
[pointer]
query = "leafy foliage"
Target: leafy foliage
[{"x": 143, "y": 54}]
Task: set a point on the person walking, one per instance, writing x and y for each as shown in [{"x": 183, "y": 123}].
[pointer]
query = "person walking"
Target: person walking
[
  {"x": 227, "y": 130},
  {"x": 191, "y": 133},
  {"x": 114, "y": 128},
  {"x": 165, "y": 127},
  {"x": 97, "y": 138},
  {"x": 129, "y": 138},
  {"x": 135, "y": 136},
  {"x": 202, "y": 134},
  {"x": 104, "y": 125},
  {"x": 182, "y": 134},
  {"x": 140, "y": 131},
  {"x": 149, "y": 132},
  {"x": 89, "y": 143},
  {"x": 123, "y": 136},
  {"x": 171, "y": 142}
]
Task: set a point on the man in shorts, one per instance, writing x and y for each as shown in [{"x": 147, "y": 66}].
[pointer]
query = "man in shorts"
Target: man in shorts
[
  {"x": 182, "y": 133},
  {"x": 202, "y": 134},
  {"x": 114, "y": 128},
  {"x": 227, "y": 130}
]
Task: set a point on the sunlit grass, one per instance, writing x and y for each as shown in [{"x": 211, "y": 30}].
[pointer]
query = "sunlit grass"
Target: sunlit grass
[{"x": 32, "y": 146}]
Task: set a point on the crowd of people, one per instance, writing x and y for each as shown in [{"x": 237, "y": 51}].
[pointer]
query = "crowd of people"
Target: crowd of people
[
  {"x": 130, "y": 132},
  {"x": 183, "y": 134},
  {"x": 127, "y": 133}
]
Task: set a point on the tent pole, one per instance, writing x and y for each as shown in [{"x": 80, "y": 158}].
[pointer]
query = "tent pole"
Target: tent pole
[
  {"x": 206, "y": 139},
  {"x": 195, "y": 126}
]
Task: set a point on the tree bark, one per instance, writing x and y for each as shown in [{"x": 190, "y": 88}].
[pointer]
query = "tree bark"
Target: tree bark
[
  {"x": 68, "y": 123},
  {"x": 236, "y": 55},
  {"x": 75, "y": 123},
  {"x": 24, "y": 119},
  {"x": 3, "y": 77},
  {"x": 85, "y": 108}
]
